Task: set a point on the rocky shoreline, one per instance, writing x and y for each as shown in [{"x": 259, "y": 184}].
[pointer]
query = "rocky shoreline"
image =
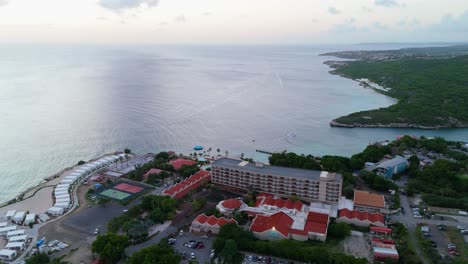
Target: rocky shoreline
[{"x": 334, "y": 123}]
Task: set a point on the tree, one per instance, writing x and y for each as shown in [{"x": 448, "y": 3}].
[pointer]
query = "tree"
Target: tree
[
  {"x": 218, "y": 150},
  {"x": 110, "y": 247},
  {"x": 154, "y": 254},
  {"x": 41, "y": 258},
  {"x": 81, "y": 162},
  {"x": 339, "y": 230},
  {"x": 229, "y": 251},
  {"x": 127, "y": 151}
]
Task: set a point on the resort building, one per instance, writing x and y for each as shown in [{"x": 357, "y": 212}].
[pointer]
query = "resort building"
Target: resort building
[
  {"x": 360, "y": 218},
  {"x": 209, "y": 224},
  {"x": 228, "y": 207},
  {"x": 370, "y": 202},
  {"x": 182, "y": 188},
  {"x": 307, "y": 185},
  {"x": 392, "y": 167},
  {"x": 178, "y": 163}
]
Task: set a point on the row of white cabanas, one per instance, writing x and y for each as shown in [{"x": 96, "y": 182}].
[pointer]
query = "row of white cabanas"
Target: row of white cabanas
[{"x": 61, "y": 192}]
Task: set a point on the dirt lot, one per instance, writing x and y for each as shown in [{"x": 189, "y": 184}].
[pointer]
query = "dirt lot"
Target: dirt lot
[
  {"x": 74, "y": 237},
  {"x": 358, "y": 246}
]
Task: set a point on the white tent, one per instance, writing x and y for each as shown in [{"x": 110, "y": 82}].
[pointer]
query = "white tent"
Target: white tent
[
  {"x": 30, "y": 218},
  {"x": 19, "y": 217},
  {"x": 9, "y": 215},
  {"x": 22, "y": 238},
  {"x": 62, "y": 196},
  {"x": 63, "y": 200},
  {"x": 55, "y": 211},
  {"x": 3, "y": 224},
  {"x": 15, "y": 233},
  {"x": 69, "y": 181},
  {"x": 63, "y": 185},
  {"x": 80, "y": 171},
  {"x": 7, "y": 254},
  {"x": 59, "y": 192},
  {"x": 61, "y": 189},
  {"x": 62, "y": 205},
  {"x": 5, "y": 230},
  {"x": 15, "y": 246}
]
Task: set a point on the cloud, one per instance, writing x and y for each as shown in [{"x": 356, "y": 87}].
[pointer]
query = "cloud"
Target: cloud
[
  {"x": 386, "y": 3},
  {"x": 180, "y": 19},
  {"x": 119, "y": 5},
  {"x": 366, "y": 9},
  {"x": 3, "y": 2},
  {"x": 164, "y": 23},
  {"x": 207, "y": 13},
  {"x": 332, "y": 10},
  {"x": 348, "y": 26},
  {"x": 380, "y": 26},
  {"x": 453, "y": 24}
]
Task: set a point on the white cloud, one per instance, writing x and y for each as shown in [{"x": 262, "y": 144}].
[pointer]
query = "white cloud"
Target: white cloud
[
  {"x": 3, "y": 2},
  {"x": 452, "y": 24},
  {"x": 118, "y": 5},
  {"x": 332, "y": 10},
  {"x": 386, "y": 3},
  {"x": 180, "y": 19}
]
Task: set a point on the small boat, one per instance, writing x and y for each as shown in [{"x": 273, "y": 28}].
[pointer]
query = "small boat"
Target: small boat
[{"x": 291, "y": 135}]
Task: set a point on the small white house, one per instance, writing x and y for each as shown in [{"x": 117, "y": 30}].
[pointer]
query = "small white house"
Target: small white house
[
  {"x": 15, "y": 233},
  {"x": 63, "y": 200},
  {"x": 61, "y": 196},
  {"x": 10, "y": 214},
  {"x": 19, "y": 217},
  {"x": 4, "y": 224},
  {"x": 7, "y": 254},
  {"x": 59, "y": 192},
  {"x": 55, "y": 211},
  {"x": 15, "y": 246},
  {"x": 67, "y": 181},
  {"x": 22, "y": 238},
  {"x": 5, "y": 230},
  {"x": 30, "y": 218}
]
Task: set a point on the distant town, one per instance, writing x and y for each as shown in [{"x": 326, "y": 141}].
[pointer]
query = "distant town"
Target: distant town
[{"x": 400, "y": 201}]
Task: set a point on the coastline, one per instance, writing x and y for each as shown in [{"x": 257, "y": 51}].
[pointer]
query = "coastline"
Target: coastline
[{"x": 335, "y": 123}]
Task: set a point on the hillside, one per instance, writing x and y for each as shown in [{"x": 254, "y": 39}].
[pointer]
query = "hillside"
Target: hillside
[{"x": 431, "y": 92}]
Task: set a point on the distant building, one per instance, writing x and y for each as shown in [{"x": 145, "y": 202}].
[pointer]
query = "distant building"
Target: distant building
[
  {"x": 153, "y": 171},
  {"x": 182, "y": 188},
  {"x": 7, "y": 254},
  {"x": 392, "y": 167},
  {"x": 307, "y": 185},
  {"x": 209, "y": 224},
  {"x": 370, "y": 202},
  {"x": 384, "y": 252},
  {"x": 228, "y": 207},
  {"x": 178, "y": 163},
  {"x": 360, "y": 218}
]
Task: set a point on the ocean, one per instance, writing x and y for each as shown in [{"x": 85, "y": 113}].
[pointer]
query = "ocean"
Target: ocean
[{"x": 63, "y": 103}]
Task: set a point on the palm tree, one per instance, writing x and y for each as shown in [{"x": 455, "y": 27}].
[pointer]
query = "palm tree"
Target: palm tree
[
  {"x": 242, "y": 156},
  {"x": 218, "y": 150},
  {"x": 227, "y": 153}
]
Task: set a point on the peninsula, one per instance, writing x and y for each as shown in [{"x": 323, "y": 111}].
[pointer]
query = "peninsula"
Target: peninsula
[{"x": 430, "y": 84}]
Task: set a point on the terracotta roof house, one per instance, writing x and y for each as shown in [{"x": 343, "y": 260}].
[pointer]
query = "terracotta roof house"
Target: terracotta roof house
[
  {"x": 153, "y": 171},
  {"x": 209, "y": 224},
  {"x": 227, "y": 207},
  {"x": 371, "y": 202},
  {"x": 182, "y": 188},
  {"x": 178, "y": 163},
  {"x": 361, "y": 218},
  {"x": 283, "y": 226}
]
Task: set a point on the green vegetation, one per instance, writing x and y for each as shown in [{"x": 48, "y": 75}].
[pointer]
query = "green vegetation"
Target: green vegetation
[
  {"x": 376, "y": 182},
  {"x": 309, "y": 251},
  {"x": 43, "y": 258},
  {"x": 428, "y": 250},
  {"x": 110, "y": 247},
  {"x": 293, "y": 160},
  {"x": 462, "y": 248},
  {"x": 156, "y": 209},
  {"x": 155, "y": 254},
  {"x": 339, "y": 230},
  {"x": 127, "y": 151},
  {"x": 81, "y": 162},
  {"x": 405, "y": 250},
  {"x": 430, "y": 92}
]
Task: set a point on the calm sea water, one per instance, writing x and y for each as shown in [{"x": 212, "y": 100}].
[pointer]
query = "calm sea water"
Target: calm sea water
[{"x": 60, "y": 104}]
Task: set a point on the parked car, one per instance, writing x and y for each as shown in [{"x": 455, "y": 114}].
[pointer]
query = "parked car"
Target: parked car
[{"x": 192, "y": 255}]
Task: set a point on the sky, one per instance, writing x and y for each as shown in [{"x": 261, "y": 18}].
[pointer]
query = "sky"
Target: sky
[{"x": 233, "y": 21}]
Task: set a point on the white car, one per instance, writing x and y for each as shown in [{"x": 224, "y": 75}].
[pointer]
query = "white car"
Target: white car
[
  {"x": 96, "y": 231},
  {"x": 192, "y": 255},
  {"x": 418, "y": 216}
]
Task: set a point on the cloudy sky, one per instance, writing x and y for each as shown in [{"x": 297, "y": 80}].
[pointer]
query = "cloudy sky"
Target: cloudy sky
[{"x": 233, "y": 21}]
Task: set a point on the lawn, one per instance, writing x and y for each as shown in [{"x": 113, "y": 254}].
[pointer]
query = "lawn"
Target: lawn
[{"x": 457, "y": 239}]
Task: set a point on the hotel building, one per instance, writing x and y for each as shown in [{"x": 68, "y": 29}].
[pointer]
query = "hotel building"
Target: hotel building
[{"x": 307, "y": 185}]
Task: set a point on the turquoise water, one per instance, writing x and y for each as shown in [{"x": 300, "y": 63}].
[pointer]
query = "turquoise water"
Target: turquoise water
[{"x": 60, "y": 104}]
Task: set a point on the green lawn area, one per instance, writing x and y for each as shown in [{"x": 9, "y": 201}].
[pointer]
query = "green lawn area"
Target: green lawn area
[{"x": 457, "y": 239}]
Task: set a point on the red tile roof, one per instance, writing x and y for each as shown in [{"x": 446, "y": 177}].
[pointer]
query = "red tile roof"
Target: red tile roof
[
  {"x": 180, "y": 189},
  {"x": 278, "y": 202},
  {"x": 369, "y": 199},
  {"x": 232, "y": 204},
  {"x": 178, "y": 163},
  {"x": 362, "y": 216},
  {"x": 381, "y": 229},
  {"x": 280, "y": 221},
  {"x": 213, "y": 220}
]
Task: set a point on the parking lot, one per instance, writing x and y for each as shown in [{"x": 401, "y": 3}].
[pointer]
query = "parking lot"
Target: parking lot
[
  {"x": 96, "y": 217},
  {"x": 202, "y": 255}
]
